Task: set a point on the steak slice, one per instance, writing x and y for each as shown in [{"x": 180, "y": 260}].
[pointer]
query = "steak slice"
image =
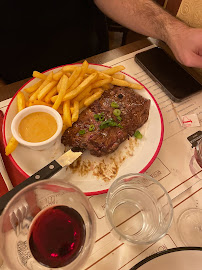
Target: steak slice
[{"x": 134, "y": 113}]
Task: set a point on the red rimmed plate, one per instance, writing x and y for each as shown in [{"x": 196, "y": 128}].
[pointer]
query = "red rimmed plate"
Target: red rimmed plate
[{"x": 91, "y": 174}]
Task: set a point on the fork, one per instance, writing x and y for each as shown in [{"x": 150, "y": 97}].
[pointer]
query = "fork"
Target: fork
[{"x": 19, "y": 217}]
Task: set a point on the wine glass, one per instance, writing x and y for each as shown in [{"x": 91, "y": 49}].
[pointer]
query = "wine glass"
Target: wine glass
[
  {"x": 49, "y": 224},
  {"x": 189, "y": 223}
]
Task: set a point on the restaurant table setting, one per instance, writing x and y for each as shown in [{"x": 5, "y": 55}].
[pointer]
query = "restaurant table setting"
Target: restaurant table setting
[{"x": 144, "y": 207}]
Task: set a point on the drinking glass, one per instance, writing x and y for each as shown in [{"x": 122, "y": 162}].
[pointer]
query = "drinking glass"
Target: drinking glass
[
  {"x": 49, "y": 224},
  {"x": 138, "y": 209},
  {"x": 189, "y": 222},
  {"x": 198, "y": 152}
]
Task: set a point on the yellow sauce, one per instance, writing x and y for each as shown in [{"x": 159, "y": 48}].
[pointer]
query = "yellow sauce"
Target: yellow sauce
[{"x": 37, "y": 127}]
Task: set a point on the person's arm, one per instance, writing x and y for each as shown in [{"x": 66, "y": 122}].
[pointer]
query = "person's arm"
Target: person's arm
[{"x": 149, "y": 19}]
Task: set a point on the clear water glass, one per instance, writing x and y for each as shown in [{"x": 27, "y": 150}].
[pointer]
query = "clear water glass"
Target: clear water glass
[
  {"x": 189, "y": 223},
  {"x": 198, "y": 153},
  {"x": 138, "y": 209}
]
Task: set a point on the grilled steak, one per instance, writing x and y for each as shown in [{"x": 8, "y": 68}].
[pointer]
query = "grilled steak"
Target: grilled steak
[{"x": 99, "y": 130}]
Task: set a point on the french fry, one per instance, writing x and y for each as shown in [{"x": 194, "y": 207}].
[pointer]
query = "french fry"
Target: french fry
[
  {"x": 20, "y": 101},
  {"x": 11, "y": 146},
  {"x": 83, "y": 94},
  {"x": 59, "y": 84},
  {"x": 13, "y": 143},
  {"x": 71, "y": 109},
  {"x": 68, "y": 74},
  {"x": 46, "y": 82},
  {"x": 102, "y": 82},
  {"x": 113, "y": 70},
  {"x": 84, "y": 67},
  {"x": 69, "y": 68},
  {"x": 40, "y": 102},
  {"x": 33, "y": 87},
  {"x": 57, "y": 75},
  {"x": 52, "y": 92},
  {"x": 81, "y": 87},
  {"x": 91, "y": 70},
  {"x": 106, "y": 87},
  {"x": 127, "y": 84},
  {"x": 75, "y": 114},
  {"x": 50, "y": 76},
  {"x": 53, "y": 98},
  {"x": 135, "y": 86},
  {"x": 119, "y": 76},
  {"x": 39, "y": 75},
  {"x": 81, "y": 103},
  {"x": 94, "y": 97},
  {"x": 85, "y": 76},
  {"x": 119, "y": 82},
  {"x": 29, "y": 103},
  {"x": 81, "y": 76},
  {"x": 73, "y": 77},
  {"x": 67, "y": 119},
  {"x": 102, "y": 76},
  {"x": 60, "y": 109},
  {"x": 62, "y": 92},
  {"x": 44, "y": 91},
  {"x": 95, "y": 90}
]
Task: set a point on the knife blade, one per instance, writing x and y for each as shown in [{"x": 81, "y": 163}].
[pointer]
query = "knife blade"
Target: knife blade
[{"x": 46, "y": 172}]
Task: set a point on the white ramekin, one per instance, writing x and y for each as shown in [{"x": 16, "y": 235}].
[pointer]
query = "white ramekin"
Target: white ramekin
[{"x": 36, "y": 108}]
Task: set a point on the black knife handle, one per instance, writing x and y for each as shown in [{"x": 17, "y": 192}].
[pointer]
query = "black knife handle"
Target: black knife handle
[{"x": 46, "y": 172}]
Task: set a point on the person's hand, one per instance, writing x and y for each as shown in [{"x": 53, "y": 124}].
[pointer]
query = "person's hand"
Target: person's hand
[{"x": 186, "y": 44}]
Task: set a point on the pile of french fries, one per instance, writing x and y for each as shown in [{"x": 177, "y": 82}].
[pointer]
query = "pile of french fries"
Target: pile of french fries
[{"x": 69, "y": 91}]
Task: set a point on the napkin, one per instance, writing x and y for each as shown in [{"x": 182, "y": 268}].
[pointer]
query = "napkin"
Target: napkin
[{"x": 15, "y": 176}]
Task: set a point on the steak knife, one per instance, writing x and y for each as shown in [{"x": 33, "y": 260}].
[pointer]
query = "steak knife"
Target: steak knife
[{"x": 46, "y": 172}]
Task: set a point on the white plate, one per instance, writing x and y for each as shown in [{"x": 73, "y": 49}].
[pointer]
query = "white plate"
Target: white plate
[
  {"x": 91, "y": 174},
  {"x": 184, "y": 258}
]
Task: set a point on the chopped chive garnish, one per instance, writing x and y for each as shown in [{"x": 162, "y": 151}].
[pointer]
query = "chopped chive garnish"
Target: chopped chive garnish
[
  {"x": 96, "y": 116},
  {"x": 82, "y": 132},
  {"x": 138, "y": 135},
  {"x": 91, "y": 128},
  {"x": 114, "y": 104},
  {"x": 116, "y": 112},
  {"x": 109, "y": 123},
  {"x": 119, "y": 118},
  {"x": 99, "y": 116}
]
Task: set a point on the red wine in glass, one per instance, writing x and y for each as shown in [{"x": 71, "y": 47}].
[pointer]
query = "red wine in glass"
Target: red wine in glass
[{"x": 57, "y": 236}]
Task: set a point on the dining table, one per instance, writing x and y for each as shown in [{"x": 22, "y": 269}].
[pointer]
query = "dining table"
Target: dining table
[{"x": 173, "y": 165}]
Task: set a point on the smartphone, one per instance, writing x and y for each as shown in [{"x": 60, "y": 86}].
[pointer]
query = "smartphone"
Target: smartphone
[{"x": 173, "y": 79}]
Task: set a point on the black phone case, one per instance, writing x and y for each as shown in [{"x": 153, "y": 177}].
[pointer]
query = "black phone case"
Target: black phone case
[
  {"x": 168, "y": 93},
  {"x": 175, "y": 90}
]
